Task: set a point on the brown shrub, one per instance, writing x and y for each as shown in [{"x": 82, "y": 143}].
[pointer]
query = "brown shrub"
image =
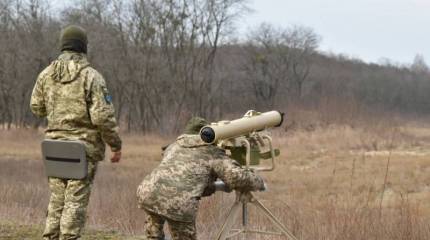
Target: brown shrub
[{"x": 327, "y": 185}]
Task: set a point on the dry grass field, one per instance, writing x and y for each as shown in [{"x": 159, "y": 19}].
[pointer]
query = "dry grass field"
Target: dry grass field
[{"x": 331, "y": 182}]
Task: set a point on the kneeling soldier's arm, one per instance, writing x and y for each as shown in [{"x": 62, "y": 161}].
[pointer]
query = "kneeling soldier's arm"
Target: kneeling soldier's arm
[{"x": 234, "y": 176}]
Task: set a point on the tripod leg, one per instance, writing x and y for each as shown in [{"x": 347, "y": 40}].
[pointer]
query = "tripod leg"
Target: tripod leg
[
  {"x": 228, "y": 224},
  {"x": 275, "y": 221},
  {"x": 244, "y": 214}
]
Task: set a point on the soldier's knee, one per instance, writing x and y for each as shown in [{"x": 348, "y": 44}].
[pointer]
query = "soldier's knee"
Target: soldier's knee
[
  {"x": 154, "y": 227},
  {"x": 78, "y": 193},
  {"x": 154, "y": 231}
]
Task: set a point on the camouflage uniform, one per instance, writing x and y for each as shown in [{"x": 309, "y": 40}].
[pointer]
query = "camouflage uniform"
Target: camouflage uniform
[
  {"x": 74, "y": 98},
  {"x": 172, "y": 191}
]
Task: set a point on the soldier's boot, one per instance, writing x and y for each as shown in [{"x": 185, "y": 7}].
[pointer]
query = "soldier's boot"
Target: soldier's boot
[
  {"x": 182, "y": 230},
  {"x": 153, "y": 227},
  {"x": 55, "y": 208}
]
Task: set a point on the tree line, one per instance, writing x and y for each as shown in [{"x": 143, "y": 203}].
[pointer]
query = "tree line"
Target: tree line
[{"x": 167, "y": 60}]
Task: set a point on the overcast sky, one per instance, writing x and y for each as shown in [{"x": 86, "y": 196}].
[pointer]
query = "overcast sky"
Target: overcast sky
[{"x": 366, "y": 29}]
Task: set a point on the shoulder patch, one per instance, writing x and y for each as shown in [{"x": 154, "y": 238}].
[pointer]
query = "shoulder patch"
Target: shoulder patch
[{"x": 108, "y": 98}]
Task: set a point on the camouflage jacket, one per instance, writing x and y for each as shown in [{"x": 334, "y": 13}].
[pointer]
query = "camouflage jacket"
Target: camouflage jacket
[
  {"x": 189, "y": 166},
  {"x": 74, "y": 98}
]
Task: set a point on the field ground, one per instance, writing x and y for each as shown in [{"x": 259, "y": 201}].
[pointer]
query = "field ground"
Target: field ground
[
  {"x": 331, "y": 182},
  {"x": 13, "y": 231}
]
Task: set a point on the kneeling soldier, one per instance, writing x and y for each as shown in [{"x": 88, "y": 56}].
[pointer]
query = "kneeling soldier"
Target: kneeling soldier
[{"x": 189, "y": 167}]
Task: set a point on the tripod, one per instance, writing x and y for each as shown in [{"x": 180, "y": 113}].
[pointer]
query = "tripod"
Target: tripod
[
  {"x": 242, "y": 200},
  {"x": 245, "y": 198}
]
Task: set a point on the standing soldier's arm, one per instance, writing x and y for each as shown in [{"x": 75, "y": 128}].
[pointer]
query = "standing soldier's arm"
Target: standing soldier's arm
[
  {"x": 234, "y": 176},
  {"x": 102, "y": 114},
  {"x": 37, "y": 101}
]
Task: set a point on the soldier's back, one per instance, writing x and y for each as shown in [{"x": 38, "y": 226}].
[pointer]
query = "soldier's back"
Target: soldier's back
[
  {"x": 175, "y": 186},
  {"x": 66, "y": 92}
]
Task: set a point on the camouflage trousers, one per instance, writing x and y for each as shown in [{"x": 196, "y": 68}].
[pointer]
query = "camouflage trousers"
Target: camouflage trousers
[
  {"x": 67, "y": 206},
  {"x": 178, "y": 230}
]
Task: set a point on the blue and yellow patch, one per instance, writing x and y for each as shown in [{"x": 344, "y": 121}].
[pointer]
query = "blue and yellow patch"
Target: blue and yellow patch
[{"x": 108, "y": 99}]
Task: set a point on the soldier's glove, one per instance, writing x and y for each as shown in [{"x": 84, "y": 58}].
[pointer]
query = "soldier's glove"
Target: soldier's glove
[
  {"x": 264, "y": 188},
  {"x": 216, "y": 186},
  {"x": 209, "y": 190},
  {"x": 221, "y": 186},
  {"x": 116, "y": 157}
]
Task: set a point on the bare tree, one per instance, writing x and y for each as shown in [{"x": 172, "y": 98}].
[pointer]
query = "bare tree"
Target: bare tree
[
  {"x": 302, "y": 43},
  {"x": 419, "y": 64},
  {"x": 279, "y": 57},
  {"x": 166, "y": 60}
]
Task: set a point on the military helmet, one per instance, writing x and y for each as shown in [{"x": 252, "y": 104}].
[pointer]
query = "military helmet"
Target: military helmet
[
  {"x": 194, "y": 125},
  {"x": 74, "y": 38}
]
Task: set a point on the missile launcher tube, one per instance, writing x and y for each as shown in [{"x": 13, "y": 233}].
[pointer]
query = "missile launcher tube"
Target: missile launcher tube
[{"x": 242, "y": 126}]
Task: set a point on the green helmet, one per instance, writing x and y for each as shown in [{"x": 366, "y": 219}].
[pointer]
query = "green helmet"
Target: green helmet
[
  {"x": 74, "y": 38},
  {"x": 194, "y": 125}
]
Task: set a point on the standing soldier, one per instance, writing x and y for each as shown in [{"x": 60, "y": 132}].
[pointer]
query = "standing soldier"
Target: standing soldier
[
  {"x": 73, "y": 97},
  {"x": 189, "y": 167}
]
